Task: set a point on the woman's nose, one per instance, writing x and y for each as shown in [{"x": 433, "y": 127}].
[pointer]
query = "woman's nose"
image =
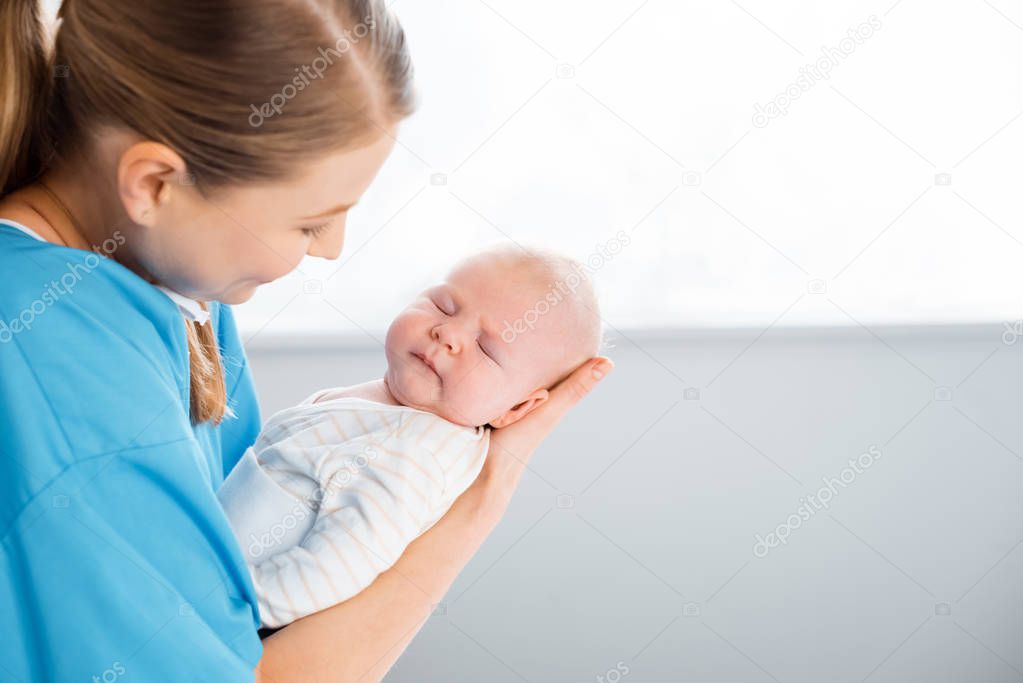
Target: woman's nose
[{"x": 329, "y": 244}]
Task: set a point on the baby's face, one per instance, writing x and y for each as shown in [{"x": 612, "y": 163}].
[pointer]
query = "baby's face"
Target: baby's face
[{"x": 446, "y": 354}]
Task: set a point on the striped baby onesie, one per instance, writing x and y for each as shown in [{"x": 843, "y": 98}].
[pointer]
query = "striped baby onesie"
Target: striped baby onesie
[{"x": 332, "y": 493}]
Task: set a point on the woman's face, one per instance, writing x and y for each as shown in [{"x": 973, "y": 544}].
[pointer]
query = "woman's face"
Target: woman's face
[{"x": 224, "y": 247}]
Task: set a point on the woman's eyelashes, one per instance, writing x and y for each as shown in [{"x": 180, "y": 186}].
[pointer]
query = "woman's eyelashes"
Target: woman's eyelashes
[{"x": 315, "y": 230}]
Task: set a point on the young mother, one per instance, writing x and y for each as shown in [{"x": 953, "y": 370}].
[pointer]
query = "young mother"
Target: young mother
[{"x": 160, "y": 160}]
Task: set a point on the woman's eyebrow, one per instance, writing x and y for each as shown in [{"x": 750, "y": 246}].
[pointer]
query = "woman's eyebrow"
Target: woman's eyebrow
[{"x": 328, "y": 212}]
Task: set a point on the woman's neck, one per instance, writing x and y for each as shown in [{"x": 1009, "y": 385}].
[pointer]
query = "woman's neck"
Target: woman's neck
[
  {"x": 32, "y": 208},
  {"x": 64, "y": 210},
  {"x": 74, "y": 210}
]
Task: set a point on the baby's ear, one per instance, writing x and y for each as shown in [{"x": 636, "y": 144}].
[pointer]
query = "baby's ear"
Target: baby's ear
[{"x": 520, "y": 410}]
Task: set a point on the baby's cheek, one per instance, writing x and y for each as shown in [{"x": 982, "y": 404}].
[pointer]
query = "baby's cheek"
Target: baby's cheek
[
  {"x": 396, "y": 340},
  {"x": 494, "y": 400},
  {"x": 460, "y": 401},
  {"x": 458, "y": 408}
]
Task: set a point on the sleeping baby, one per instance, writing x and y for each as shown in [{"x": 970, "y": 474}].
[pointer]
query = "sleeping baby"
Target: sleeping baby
[{"x": 336, "y": 488}]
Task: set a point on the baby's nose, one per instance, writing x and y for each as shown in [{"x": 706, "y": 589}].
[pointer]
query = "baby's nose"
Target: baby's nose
[{"x": 446, "y": 336}]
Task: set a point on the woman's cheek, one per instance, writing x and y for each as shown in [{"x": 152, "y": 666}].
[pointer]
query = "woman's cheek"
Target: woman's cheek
[{"x": 275, "y": 264}]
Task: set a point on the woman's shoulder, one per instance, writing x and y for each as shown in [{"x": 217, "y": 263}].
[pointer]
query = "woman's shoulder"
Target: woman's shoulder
[
  {"x": 89, "y": 353},
  {"x": 51, "y": 286}
]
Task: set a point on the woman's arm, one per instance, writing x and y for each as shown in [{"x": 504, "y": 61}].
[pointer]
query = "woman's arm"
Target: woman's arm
[{"x": 360, "y": 639}]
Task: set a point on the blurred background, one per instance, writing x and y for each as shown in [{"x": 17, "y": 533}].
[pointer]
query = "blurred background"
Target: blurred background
[
  {"x": 814, "y": 214},
  {"x": 804, "y": 224},
  {"x": 884, "y": 174}
]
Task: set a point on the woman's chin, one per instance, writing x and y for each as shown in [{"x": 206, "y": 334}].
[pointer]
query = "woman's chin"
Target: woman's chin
[{"x": 238, "y": 295}]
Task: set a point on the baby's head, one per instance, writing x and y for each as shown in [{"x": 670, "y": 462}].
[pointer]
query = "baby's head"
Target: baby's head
[{"x": 485, "y": 345}]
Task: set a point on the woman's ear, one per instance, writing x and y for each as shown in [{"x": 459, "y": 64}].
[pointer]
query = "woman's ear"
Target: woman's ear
[
  {"x": 146, "y": 176},
  {"x": 520, "y": 410}
]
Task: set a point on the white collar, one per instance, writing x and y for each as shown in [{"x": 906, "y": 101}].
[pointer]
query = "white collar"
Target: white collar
[
  {"x": 24, "y": 228},
  {"x": 190, "y": 308}
]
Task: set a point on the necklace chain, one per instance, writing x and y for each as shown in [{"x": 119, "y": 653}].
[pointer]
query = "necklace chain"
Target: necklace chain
[{"x": 63, "y": 208}]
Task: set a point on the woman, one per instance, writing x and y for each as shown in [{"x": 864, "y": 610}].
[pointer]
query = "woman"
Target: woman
[{"x": 161, "y": 160}]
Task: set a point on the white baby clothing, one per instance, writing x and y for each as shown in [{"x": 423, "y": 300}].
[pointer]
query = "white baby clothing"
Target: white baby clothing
[{"x": 335, "y": 489}]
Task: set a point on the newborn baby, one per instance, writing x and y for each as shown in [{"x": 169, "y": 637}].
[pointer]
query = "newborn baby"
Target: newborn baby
[{"x": 335, "y": 488}]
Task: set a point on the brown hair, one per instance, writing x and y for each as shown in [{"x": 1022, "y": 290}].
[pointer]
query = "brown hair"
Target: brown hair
[{"x": 221, "y": 82}]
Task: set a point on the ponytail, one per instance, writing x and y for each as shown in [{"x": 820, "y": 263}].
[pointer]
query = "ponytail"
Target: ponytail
[
  {"x": 25, "y": 93},
  {"x": 208, "y": 394}
]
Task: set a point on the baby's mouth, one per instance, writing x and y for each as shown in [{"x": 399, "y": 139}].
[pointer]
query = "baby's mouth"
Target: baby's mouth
[{"x": 426, "y": 361}]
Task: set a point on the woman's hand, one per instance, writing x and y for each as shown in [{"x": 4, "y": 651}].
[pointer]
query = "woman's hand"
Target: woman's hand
[{"x": 512, "y": 447}]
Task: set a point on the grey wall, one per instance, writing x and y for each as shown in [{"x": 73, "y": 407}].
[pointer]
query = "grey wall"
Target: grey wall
[{"x": 646, "y": 563}]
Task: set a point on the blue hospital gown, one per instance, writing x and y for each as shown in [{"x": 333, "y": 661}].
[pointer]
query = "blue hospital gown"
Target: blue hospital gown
[{"x": 117, "y": 560}]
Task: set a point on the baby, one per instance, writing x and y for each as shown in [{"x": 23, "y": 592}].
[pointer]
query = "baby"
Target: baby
[{"x": 336, "y": 488}]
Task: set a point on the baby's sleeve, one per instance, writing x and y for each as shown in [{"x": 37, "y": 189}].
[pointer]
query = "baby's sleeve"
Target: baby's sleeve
[{"x": 378, "y": 496}]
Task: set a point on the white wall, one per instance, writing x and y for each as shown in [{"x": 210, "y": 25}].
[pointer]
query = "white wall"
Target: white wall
[
  {"x": 893, "y": 181},
  {"x": 668, "y": 495}
]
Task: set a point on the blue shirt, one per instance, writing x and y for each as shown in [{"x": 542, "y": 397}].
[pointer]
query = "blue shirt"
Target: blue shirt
[{"x": 116, "y": 557}]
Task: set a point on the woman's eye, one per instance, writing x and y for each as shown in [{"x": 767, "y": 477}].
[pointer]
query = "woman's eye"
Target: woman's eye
[{"x": 316, "y": 230}]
